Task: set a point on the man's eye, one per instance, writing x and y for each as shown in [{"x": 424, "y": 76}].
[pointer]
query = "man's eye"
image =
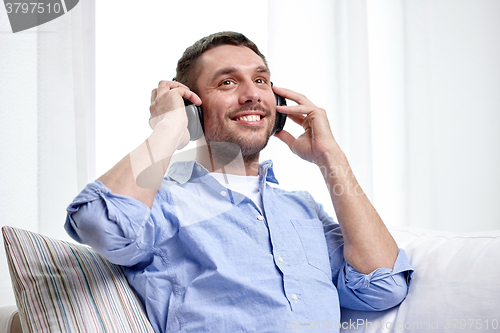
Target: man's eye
[
  {"x": 259, "y": 81},
  {"x": 226, "y": 82}
]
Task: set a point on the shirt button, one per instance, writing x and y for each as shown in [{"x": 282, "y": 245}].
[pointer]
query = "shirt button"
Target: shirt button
[
  {"x": 199, "y": 168},
  {"x": 294, "y": 297},
  {"x": 280, "y": 259},
  {"x": 223, "y": 193},
  {"x": 260, "y": 217}
]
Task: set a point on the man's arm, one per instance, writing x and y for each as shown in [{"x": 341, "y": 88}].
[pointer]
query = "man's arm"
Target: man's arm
[
  {"x": 368, "y": 245},
  {"x": 111, "y": 214},
  {"x": 139, "y": 174}
]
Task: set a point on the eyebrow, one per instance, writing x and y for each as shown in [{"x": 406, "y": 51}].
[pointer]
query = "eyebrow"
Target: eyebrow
[{"x": 231, "y": 70}]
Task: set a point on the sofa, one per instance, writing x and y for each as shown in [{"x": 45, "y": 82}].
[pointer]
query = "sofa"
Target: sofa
[{"x": 66, "y": 287}]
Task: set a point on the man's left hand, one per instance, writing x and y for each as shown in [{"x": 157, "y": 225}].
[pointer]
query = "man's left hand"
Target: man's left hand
[{"x": 317, "y": 139}]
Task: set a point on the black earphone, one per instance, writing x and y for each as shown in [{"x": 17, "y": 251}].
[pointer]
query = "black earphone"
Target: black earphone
[{"x": 195, "y": 117}]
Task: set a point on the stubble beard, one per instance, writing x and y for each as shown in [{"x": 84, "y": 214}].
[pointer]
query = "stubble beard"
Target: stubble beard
[{"x": 226, "y": 146}]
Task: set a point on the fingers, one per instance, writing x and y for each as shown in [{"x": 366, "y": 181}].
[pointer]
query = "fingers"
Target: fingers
[
  {"x": 304, "y": 109},
  {"x": 168, "y": 98},
  {"x": 184, "y": 91},
  {"x": 285, "y": 137},
  {"x": 188, "y": 94},
  {"x": 292, "y": 95},
  {"x": 295, "y": 109},
  {"x": 297, "y": 118},
  {"x": 164, "y": 86},
  {"x": 168, "y": 85},
  {"x": 154, "y": 93}
]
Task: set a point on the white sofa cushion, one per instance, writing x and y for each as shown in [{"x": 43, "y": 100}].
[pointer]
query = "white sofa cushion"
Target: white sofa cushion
[
  {"x": 9, "y": 320},
  {"x": 455, "y": 286}
]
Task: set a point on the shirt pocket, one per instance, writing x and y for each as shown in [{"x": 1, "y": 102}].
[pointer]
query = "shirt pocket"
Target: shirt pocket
[{"x": 313, "y": 241}]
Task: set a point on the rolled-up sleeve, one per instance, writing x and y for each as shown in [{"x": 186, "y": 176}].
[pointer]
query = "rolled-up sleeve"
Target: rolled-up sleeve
[
  {"x": 382, "y": 289},
  {"x": 116, "y": 226}
]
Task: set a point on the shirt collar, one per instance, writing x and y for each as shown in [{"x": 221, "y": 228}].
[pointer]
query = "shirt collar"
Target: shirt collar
[
  {"x": 183, "y": 171},
  {"x": 266, "y": 170}
]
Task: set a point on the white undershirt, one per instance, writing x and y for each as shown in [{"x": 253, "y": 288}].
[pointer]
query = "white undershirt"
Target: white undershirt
[{"x": 246, "y": 185}]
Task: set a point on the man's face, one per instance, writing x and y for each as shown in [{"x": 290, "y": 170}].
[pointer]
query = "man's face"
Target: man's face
[{"x": 238, "y": 102}]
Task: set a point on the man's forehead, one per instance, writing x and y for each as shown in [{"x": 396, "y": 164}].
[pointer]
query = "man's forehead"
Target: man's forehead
[{"x": 227, "y": 59}]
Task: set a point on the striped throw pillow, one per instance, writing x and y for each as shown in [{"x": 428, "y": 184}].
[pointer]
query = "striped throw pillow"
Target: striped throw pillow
[{"x": 64, "y": 287}]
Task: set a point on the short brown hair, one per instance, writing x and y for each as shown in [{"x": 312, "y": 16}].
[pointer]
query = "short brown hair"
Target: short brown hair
[{"x": 186, "y": 66}]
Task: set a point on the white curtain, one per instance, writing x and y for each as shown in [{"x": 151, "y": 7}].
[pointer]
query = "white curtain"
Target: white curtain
[
  {"x": 47, "y": 125},
  {"x": 434, "y": 79},
  {"x": 411, "y": 88},
  {"x": 320, "y": 49}
]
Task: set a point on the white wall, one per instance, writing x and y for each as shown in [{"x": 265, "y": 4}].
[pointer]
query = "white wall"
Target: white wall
[
  {"x": 18, "y": 140},
  {"x": 46, "y": 107}
]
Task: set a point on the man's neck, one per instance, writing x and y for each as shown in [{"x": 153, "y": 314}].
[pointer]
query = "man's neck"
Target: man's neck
[{"x": 217, "y": 157}]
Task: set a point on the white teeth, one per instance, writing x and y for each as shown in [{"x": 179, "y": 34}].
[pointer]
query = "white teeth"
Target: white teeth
[{"x": 249, "y": 118}]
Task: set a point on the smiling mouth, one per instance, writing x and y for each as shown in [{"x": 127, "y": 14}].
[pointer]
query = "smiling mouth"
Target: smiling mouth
[{"x": 253, "y": 117}]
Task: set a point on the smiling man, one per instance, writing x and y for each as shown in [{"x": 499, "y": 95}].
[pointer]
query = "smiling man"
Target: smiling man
[
  {"x": 227, "y": 252},
  {"x": 236, "y": 82}
]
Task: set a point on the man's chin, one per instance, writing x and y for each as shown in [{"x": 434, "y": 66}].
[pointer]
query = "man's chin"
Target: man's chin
[{"x": 249, "y": 142}]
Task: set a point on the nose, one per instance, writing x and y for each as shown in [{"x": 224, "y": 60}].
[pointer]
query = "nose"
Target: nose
[{"x": 250, "y": 93}]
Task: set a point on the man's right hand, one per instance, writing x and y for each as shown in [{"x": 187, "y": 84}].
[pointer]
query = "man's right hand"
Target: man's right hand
[
  {"x": 140, "y": 173},
  {"x": 167, "y": 106}
]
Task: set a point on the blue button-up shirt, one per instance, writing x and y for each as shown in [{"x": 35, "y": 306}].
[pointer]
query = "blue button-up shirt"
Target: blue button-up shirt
[{"x": 206, "y": 259}]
